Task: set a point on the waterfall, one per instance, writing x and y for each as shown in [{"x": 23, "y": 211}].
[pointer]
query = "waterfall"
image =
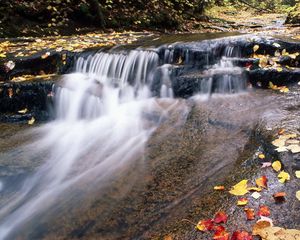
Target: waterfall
[{"x": 100, "y": 123}]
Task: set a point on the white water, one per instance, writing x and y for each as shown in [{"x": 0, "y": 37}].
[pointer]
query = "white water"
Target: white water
[
  {"x": 99, "y": 129},
  {"x": 93, "y": 137}
]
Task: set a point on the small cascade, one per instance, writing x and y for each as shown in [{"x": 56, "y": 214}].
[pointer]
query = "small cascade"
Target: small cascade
[{"x": 100, "y": 124}]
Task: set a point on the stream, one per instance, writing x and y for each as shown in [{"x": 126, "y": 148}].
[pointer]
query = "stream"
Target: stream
[{"x": 139, "y": 138}]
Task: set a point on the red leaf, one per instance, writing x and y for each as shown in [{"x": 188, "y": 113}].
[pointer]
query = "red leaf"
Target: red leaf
[
  {"x": 250, "y": 213},
  {"x": 220, "y": 217},
  {"x": 262, "y": 182},
  {"x": 279, "y": 197},
  {"x": 264, "y": 211},
  {"x": 241, "y": 235},
  {"x": 205, "y": 225},
  {"x": 220, "y": 233}
]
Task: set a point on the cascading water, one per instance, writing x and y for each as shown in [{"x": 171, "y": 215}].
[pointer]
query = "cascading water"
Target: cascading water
[{"x": 100, "y": 124}]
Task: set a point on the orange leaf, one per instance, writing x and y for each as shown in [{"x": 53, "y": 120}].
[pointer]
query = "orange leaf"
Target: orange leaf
[
  {"x": 220, "y": 233},
  {"x": 250, "y": 213},
  {"x": 281, "y": 131},
  {"x": 241, "y": 235},
  {"x": 263, "y": 211},
  {"x": 242, "y": 202},
  {"x": 220, "y": 217},
  {"x": 279, "y": 197},
  {"x": 205, "y": 225},
  {"x": 219, "y": 187},
  {"x": 262, "y": 182}
]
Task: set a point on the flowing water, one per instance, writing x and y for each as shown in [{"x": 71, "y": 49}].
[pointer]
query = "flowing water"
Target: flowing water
[{"x": 106, "y": 112}]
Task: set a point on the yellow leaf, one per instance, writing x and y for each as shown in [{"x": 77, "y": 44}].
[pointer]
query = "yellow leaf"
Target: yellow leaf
[
  {"x": 279, "y": 69},
  {"x": 263, "y": 62},
  {"x": 31, "y": 121},
  {"x": 283, "y": 176},
  {"x": 242, "y": 202},
  {"x": 298, "y": 195},
  {"x": 276, "y": 45},
  {"x": 297, "y": 174},
  {"x": 294, "y": 148},
  {"x": 240, "y": 188},
  {"x": 276, "y": 166},
  {"x": 2, "y": 55},
  {"x": 280, "y": 142},
  {"x": 261, "y": 156},
  {"x": 276, "y": 233},
  {"x": 23, "y": 111},
  {"x": 255, "y": 48}
]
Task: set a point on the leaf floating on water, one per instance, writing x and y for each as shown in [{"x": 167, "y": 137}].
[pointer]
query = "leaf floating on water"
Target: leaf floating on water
[
  {"x": 263, "y": 62},
  {"x": 250, "y": 213},
  {"x": 261, "y": 156},
  {"x": 240, "y": 188},
  {"x": 255, "y": 48},
  {"x": 31, "y": 121},
  {"x": 279, "y": 69},
  {"x": 220, "y": 217},
  {"x": 23, "y": 111},
  {"x": 205, "y": 225},
  {"x": 297, "y": 173},
  {"x": 264, "y": 211},
  {"x": 220, "y": 188},
  {"x": 262, "y": 182},
  {"x": 242, "y": 202},
  {"x": 276, "y": 166}
]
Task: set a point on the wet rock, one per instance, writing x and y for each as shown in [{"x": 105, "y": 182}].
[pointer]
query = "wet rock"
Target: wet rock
[
  {"x": 262, "y": 77},
  {"x": 34, "y": 96}
]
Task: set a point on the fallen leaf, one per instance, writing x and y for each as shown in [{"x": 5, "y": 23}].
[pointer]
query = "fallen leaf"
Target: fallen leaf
[
  {"x": 297, "y": 173},
  {"x": 10, "y": 92},
  {"x": 279, "y": 197},
  {"x": 281, "y": 131},
  {"x": 294, "y": 148},
  {"x": 276, "y": 45},
  {"x": 283, "y": 176},
  {"x": 263, "y": 62},
  {"x": 255, "y": 48},
  {"x": 23, "y": 111},
  {"x": 292, "y": 141},
  {"x": 205, "y": 225},
  {"x": 240, "y": 188},
  {"x": 280, "y": 142},
  {"x": 257, "y": 189},
  {"x": 263, "y": 211},
  {"x": 241, "y": 235},
  {"x": 266, "y": 164},
  {"x": 277, "y": 233},
  {"x": 168, "y": 237},
  {"x": 44, "y": 56},
  {"x": 279, "y": 69},
  {"x": 262, "y": 182},
  {"x": 220, "y": 233},
  {"x": 261, "y": 156},
  {"x": 281, "y": 149},
  {"x": 219, "y": 188},
  {"x": 262, "y": 223},
  {"x": 250, "y": 213},
  {"x": 31, "y": 121},
  {"x": 276, "y": 166},
  {"x": 242, "y": 202},
  {"x": 220, "y": 217},
  {"x": 256, "y": 195},
  {"x": 298, "y": 195}
]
